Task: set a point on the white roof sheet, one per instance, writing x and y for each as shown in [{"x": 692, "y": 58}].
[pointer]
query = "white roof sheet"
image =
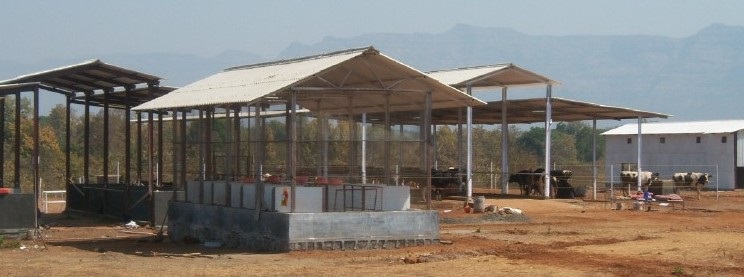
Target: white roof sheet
[
  {"x": 349, "y": 81},
  {"x": 500, "y": 75},
  {"x": 690, "y": 127}
]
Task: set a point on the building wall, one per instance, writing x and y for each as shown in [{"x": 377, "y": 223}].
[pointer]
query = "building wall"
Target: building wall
[{"x": 678, "y": 153}]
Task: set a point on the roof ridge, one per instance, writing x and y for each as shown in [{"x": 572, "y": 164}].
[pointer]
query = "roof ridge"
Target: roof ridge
[
  {"x": 471, "y": 67},
  {"x": 365, "y": 50}
]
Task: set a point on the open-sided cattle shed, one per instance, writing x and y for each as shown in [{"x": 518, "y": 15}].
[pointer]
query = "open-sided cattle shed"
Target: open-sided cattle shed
[
  {"x": 508, "y": 75},
  {"x": 341, "y": 84},
  {"x": 91, "y": 84}
]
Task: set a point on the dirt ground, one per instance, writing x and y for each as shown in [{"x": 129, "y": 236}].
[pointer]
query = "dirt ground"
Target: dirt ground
[{"x": 551, "y": 238}]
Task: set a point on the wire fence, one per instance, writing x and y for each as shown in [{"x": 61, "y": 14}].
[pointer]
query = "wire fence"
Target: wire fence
[{"x": 605, "y": 183}]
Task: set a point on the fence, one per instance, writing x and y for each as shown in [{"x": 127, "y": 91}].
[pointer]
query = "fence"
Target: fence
[{"x": 56, "y": 196}]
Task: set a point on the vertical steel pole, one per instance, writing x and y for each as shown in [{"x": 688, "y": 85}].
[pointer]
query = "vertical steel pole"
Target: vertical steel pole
[
  {"x": 504, "y": 145},
  {"x": 548, "y": 123},
  {"x": 364, "y": 149},
  {"x": 427, "y": 143},
  {"x": 105, "y": 137},
  {"x": 37, "y": 176},
  {"x": 2, "y": 142},
  {"x": 640, "y": 142},
  {"x": 469, "y": 146},
  {"x": 594, "y": 159},
  {"x": 86, "y": 141}
]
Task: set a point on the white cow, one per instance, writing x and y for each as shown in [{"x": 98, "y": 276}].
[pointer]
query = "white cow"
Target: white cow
[
  {"x": 691, "y": 179},
  {"x": 630, "y": 178}
]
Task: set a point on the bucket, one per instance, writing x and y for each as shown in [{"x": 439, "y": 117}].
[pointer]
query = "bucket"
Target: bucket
[
  {"x": 638, "y": 205},
  {"x": 479, "y": 205}
]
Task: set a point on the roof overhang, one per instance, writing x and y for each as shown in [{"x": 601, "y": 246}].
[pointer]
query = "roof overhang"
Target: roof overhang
[
  {"x": 98, "y": 82},
  {"x": 530, "y": 111},
  {"x": 87, "y": 77},
  {"x": 682, "y": 127},
  {"x": 490, "y": 76},
  {"x": 352, "y": 81}
]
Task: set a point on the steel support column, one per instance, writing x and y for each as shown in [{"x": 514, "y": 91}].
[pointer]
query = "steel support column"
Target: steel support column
[
  {"x": 640, "y": 146},
  {"x": 548, "y": 123},
  {"x": 2, "y": 144},
  {"x": 86, "y": 141},
  {"x": 504, "y": 144},
  {"x": 105, "y": 137},
  {"x": 469, "y": 145},
  {"x": 35, "y": 162}
]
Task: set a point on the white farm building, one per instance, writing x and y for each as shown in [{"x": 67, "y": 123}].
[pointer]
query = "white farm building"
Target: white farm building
[{"x": 715, "y": 147}]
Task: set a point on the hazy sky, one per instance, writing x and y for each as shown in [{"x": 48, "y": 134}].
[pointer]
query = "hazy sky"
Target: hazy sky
[{"x": 36, "y": 30}]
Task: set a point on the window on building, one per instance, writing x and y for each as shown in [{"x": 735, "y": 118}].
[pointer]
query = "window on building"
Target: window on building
[
  {"x": 697, "y": 140},
  {"x": 662, "y": 140},
  {"x": 630, "y": 140},
  {"x": 723, "y": 139}
]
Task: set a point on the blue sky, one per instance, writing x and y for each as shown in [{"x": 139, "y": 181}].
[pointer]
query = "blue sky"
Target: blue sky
[{"x": 38, "y": 30}]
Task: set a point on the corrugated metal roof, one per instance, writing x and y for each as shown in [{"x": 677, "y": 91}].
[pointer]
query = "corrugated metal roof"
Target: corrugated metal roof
[
  {"x": 499, "y": 75},
  {"x": 531, "y": 111},
  {"x": 349, "y": 81},
  {"x": 689, "y": 127},
  {"x": 86, "y": 77}
]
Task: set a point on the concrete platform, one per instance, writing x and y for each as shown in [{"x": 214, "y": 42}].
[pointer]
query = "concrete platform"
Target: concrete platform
[{"x": 281, "y": 232}]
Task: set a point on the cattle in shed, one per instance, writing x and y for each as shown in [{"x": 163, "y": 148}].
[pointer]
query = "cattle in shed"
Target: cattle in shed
[
  {"x": 630, "y": 178},
  {"x": 524, "y": 179},
  {"x": 538, "y": 181},
  {"x": 695, "y": 180},
  {"x": 447, "y": 182},
  {"x": 561, "y": 188}
]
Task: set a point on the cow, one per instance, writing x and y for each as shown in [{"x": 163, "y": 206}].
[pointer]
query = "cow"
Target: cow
[
  {"x": 561, "y": 188},
  {"x": 524, "y": 179},
  {"x": 446, "y": 182},
  {"x": 690, "y": 180},
  {"x": 538, "y": 182},
  {"x": 630, "y": 178}
]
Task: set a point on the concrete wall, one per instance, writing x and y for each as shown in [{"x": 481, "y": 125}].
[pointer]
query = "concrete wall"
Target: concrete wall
[
  {"x": 161, "y": 200},
  {"x": 307, "y": 199},
  {"x": 17, "y": 212},
  {"x": 368, "y": 198},
  {"x": 278, "y": 232},
  {"x": 678, "y": 153}
]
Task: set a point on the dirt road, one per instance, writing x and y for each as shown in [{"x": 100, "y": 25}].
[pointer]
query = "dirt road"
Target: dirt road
[{"x": 552, "y": 238}]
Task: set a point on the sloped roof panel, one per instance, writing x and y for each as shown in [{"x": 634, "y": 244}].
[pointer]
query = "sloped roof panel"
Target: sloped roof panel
[
  {"x": 501, "y": 75},
  {"x": 689, "y": 127},
  {"x": 86, "y": 77},
  {"x": 355, "y": 80},
  {"x": 531, "y": 111},
  {"x": 245, "y": 84}
]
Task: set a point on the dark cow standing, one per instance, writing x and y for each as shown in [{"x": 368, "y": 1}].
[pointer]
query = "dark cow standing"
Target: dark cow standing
[
  {"x": 530, "y": 182},
  {"x": 630, "y": 178},
  {"x": 691, "y": 179},
  {"x": 446, "y": 182},
  {"x": 524, "y": 179}
]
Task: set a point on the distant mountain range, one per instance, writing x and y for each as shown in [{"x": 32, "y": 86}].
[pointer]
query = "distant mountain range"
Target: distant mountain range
[{"x": 700, "y": 77}]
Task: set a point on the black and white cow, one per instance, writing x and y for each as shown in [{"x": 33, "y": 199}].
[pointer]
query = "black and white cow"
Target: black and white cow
[
  {"x": 690, "y": 180},
  {"x": 560, "y": 187},
  {"x": 630, "y": 179}
]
